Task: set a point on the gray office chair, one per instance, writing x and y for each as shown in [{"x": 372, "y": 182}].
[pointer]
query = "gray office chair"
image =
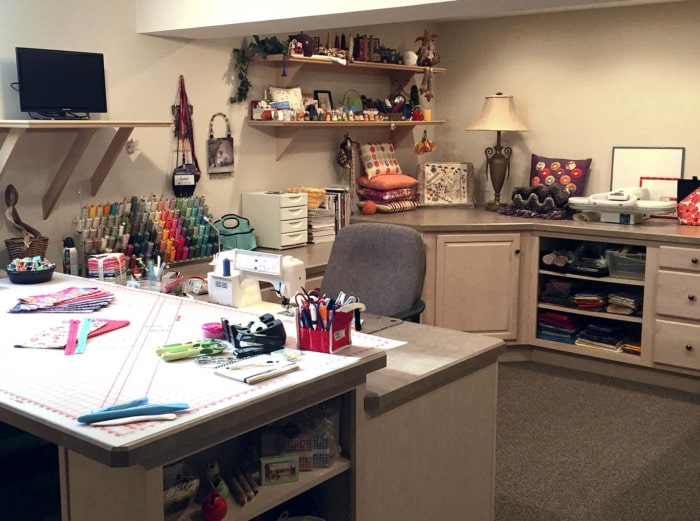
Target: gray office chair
[{"x": 381, "y": 264}]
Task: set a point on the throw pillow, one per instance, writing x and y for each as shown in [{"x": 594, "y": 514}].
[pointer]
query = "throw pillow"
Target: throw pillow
[
  {"x": 569, "y": 174},
  {"x": 399, "y": 194},
  {"x": 292, "y": 95},
  {"x": 391, "y": 206},
  {"x": 379, "y": 159},
  {"x": 387, "y": 182}
]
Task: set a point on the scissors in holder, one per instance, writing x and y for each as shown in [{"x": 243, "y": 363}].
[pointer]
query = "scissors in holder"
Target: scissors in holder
[{"x": 170, "y": 352}]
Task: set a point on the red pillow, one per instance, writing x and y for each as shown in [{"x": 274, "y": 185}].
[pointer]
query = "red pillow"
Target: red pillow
[{"x": 387, "y": 182}]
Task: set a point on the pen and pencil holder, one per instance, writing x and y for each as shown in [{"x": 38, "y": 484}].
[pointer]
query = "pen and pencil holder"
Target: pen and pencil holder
[{"x": 327, "y": 340}]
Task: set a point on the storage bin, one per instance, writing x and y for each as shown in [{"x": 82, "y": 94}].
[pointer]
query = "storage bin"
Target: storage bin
[{"x": 626, "y": 265}]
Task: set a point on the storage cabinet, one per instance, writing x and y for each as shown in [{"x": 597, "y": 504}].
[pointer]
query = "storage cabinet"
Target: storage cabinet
[
  {"x": 280, "y": 220},
  {"x": 476, "y": 283},
  {"x": 582, "y": 309},
  {"x": 677, "y": 308}
]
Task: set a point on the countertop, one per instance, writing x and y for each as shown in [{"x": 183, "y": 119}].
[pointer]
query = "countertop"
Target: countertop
[{"x": 468, "y": 220}]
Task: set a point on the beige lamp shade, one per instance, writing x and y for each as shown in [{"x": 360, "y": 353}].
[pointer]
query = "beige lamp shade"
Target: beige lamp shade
[{"x": 498, "y": 114}]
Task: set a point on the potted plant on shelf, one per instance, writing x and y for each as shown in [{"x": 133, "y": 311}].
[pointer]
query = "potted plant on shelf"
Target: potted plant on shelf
[{"x": 241, "y": 59}]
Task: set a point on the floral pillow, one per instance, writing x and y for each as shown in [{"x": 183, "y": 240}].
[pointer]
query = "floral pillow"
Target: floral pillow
[
  {"x": 379, "y": 159},
  {"x": 569, "y": 174}
]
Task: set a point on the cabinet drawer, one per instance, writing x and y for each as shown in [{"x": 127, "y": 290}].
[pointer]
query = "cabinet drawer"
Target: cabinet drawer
[
  {"x": 676, "y": 344},
  {"x": 679, "y": 258},
  {"x": 288, "y": 199},
  {"x": 293, "y": 212},
  {"x": 294, "y": 238},
  {"x": 678, "y": 294},
  {"x": 298, "y": 225}
]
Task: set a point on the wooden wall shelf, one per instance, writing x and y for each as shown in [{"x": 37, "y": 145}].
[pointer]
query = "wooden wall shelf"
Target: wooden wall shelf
[
  {"x": 293, "y": 65},
  {"x": 84, "y": 130},
  {"x": 287, "y": 131}
]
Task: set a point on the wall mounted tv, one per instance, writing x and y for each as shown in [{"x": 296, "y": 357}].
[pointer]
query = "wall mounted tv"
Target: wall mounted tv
[{"x": 57, "y": 84}]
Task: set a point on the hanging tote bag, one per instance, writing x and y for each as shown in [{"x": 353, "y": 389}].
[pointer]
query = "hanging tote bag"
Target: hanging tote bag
[
  {"x": 187, "y": 173},
  {"x": 219, "y": 149},
  {"x": 352, "y": 102},
  {"x": 235, "y": 232}
]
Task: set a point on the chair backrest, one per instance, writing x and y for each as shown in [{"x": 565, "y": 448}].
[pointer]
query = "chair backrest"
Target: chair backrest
[{"x": 382, "y": 264}]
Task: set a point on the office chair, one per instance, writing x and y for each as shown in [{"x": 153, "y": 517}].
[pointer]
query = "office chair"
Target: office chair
[{"x": 381, "y": 264}]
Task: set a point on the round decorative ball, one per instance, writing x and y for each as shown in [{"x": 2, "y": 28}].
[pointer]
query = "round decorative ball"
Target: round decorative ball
[
  {"x": 214, "y": 507},
  {"x": 369, "y": 208}
]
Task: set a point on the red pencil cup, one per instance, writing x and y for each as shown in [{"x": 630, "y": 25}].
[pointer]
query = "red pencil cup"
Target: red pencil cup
[{"x": 326, "y": 340}]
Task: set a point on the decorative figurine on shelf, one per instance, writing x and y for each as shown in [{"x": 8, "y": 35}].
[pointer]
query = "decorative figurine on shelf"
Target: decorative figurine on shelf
[{"x": 427, "y": 55}]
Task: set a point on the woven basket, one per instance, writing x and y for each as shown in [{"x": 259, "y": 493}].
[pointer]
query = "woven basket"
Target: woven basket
[
  {"x": 18, "y": 250},
  {"x": 314, "y": 196}
]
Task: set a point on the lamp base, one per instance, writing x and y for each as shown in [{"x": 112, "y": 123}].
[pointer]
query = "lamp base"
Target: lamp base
[{"x": 493, "y": 206}]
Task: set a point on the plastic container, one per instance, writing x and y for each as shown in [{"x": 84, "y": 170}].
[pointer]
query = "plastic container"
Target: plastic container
[{"x": 626, "y": 265}]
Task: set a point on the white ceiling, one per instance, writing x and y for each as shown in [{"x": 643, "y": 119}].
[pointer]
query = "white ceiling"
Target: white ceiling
[{"x": 223, "y": 18}]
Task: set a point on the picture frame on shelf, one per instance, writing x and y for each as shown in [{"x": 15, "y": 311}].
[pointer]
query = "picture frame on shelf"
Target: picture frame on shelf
[
  {"x": 325, "y": 100},
  {"x": 375, "y": 50}
]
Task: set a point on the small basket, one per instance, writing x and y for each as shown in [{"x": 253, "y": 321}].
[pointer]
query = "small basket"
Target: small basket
[
  {"x": 314, "y": 196},
  {"x": 18, "y": 250}
]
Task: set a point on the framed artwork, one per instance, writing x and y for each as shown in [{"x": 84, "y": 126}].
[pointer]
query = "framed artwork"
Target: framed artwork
[
  {"x": 325, "y": 100},
  {"x": 446, "y": 184},
  {"x": 630, "y": 164}
]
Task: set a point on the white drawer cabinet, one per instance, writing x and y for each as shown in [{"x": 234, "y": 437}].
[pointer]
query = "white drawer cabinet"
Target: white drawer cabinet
[{"x": 280, "y": 219}]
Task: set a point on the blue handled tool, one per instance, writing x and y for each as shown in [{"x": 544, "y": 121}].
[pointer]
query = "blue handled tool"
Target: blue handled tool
[{"x": 126, "y": 412}]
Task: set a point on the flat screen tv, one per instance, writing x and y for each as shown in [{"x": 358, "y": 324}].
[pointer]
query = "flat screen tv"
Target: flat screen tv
[{"x": 60, "y": 84}]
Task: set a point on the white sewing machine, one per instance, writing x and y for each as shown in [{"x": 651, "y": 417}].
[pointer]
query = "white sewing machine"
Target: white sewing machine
[
  {"x": 622, "y": 206},
  {"x": 237, "y": 274}
]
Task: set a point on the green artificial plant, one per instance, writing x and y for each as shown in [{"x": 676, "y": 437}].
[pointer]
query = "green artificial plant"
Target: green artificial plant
[{"x": 241, "y": 59}]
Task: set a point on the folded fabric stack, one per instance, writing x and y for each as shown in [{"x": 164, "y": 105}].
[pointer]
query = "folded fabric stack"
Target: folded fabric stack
[
  {"x": 625, "y": 303},
  {"x": 558, "y": 327},
  {"x": 383, "y": 182},
  {"x": 603, "y": 336},
  {"x": 590, "y": 301},
  {"x": 560, "y": 292}
]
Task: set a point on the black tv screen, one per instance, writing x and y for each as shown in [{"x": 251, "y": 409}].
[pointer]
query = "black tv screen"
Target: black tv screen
[{"x": 60, "y": 84}]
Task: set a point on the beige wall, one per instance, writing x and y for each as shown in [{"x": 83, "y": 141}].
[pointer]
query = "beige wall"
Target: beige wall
[{"x": 583, "y": 82}]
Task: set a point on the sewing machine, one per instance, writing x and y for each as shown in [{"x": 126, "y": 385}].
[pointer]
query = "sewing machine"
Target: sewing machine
[
  {"x": 622, "y": 206},
  {"x": 237, "y": 274}
]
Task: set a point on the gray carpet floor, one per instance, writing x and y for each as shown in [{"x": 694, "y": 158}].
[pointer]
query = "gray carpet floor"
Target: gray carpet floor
[{"x": 571, "y": 446}]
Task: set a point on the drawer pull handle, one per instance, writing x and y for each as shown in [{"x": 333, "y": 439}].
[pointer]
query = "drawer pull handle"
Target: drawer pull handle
[
  {"x": 694, "y": 260},
  {"x": 691, "y": 297},
  {"x": 688, "y": 347}
]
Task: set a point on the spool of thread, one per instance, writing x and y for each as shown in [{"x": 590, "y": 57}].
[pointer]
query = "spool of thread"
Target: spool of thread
[{"x": 213, "y": 330}]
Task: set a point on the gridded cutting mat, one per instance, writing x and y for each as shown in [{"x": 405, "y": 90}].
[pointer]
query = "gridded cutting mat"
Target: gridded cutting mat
[{"x": 121, "y": 365}]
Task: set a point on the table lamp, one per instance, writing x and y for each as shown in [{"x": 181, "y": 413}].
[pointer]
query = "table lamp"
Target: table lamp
[{"x": 498, "y": 114}]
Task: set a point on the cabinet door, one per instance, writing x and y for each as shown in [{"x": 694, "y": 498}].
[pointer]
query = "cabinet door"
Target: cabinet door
[{"x": 476, "y": 287}]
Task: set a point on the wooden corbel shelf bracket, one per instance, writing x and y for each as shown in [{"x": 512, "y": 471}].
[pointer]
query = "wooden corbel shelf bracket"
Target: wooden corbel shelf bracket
[{"x": 84, "y": 130}]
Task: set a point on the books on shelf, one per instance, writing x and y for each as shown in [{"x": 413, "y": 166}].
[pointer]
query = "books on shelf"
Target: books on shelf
[{"x": 332, "y": 215}]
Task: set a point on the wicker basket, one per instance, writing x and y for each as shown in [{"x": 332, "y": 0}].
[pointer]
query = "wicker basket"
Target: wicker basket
[
  {"x": 18, "y": 250},
  {"x": 314, "y": 196}
]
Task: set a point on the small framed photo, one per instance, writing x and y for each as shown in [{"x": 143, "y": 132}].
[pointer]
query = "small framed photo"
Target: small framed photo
[
  {"x": 279, "y": 469},
  {"x": 325, "y": 100},
  {"x": 375, "y": 50}
]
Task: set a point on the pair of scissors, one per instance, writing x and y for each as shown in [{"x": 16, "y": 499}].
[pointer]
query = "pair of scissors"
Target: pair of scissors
[{"x": 212, "y": 346}]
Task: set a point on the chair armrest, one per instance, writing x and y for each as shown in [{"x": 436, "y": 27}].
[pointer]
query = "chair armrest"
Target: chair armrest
[{"x": 411, "y": 314}]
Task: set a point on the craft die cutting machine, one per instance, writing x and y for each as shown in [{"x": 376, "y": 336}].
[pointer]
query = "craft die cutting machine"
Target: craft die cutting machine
[
  {"x": 237, "y": 274},
  {"x": 622, "y": 206}
]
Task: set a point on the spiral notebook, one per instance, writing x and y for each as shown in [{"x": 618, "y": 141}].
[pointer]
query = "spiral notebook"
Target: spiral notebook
[{"x": 258, "y": 368}]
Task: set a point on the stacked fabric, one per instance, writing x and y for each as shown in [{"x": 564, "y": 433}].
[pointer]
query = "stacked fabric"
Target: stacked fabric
[
  {"x": 383, "y": 187},
  {"x": 625, "y": 303},
  {"x": 603, "y": 336},
  {"x": 591, "y": 301},
  {"x": 560, "y": 292},
  {"x": 558, "y": 327}
]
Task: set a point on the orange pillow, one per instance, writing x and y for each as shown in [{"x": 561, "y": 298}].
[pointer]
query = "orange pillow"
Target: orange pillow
[
  {"x": 387, "y": 182},
  {"x": 379, "y": 159}
]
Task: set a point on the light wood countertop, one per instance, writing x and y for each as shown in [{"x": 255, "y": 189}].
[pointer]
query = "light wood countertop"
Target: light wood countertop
[{"x": 452, "y": 220}]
